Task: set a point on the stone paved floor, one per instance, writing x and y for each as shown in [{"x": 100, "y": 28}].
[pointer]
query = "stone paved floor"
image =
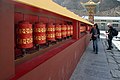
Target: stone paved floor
[{"x": 102, "y": 66}]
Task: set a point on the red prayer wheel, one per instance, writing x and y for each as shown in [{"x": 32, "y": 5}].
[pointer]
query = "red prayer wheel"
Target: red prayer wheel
[
  {"x": 71, "y": 30},
  {"x": 51, "y": 32},
  {"x": 63, "y": 30},
  {"x": 39, "y": 33},
  {"x": 24, "y": 35},
  {"x": 68, "y": 30},
  {"x": 58, "y": 31}
]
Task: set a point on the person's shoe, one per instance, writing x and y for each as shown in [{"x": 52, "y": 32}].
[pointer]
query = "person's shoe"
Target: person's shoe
[
  {"x": 96, "y": 53},
  {"x": 108, "y": 49}
]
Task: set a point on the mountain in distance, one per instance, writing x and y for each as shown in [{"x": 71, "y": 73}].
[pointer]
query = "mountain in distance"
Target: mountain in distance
[{"x": 106, "y": 7}]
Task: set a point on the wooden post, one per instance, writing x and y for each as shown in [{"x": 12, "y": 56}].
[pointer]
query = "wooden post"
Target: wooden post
[{"x": 6, "y": 40}]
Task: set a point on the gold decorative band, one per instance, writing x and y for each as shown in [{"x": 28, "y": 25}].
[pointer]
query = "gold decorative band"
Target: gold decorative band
[
  {"x": 50, "y": 29},
  {"x": 64, "y": 28},
  {"x": 25, "y": 31},
  {"x": 50, "y": 35},
  {"x": 39, "y": 37},
  {"x": 25, "y": 41},
  {"x": 58, "y": 34},
  {"x": 40, "y": 30},
  {"x": 58, "y": 29},
  {"x": 63, "y": 33}
]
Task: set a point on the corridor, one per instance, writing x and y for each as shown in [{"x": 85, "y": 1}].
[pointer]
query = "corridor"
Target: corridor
[{"x": 102, "y": 66}]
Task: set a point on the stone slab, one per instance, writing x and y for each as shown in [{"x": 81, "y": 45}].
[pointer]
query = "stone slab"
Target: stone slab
[
  {"x": 113, "y": 66},
  {"x": 117, "y": 59},
  {"x": 96, "y": 73},
  {"x": 111, "y": 61},
  {"x": 115, "y": 73}
]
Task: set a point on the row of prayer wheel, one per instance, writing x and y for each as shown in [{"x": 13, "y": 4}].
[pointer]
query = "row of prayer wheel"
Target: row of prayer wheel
[{"x": 40, "y": 33}]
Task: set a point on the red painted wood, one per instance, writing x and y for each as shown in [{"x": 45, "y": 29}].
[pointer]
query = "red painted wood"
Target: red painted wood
[
  {"x": 43, "y": 19},
  {"x": 6, "y": 40},
  {"x": 51, "y": 20},
  {"x": 33, "y": 19},
  {"x": 75, "y": 30},
  {"x": 30, "y": 65},
  {"x": 57, "y": 64},
  {"x": 41, "y": 11},
  {"x": 18, "y": 17}
]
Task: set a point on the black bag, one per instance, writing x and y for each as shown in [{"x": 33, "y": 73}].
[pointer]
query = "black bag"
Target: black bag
[
  {"x": 114, "y": 32},
  {"x": 93, "y": 38}
]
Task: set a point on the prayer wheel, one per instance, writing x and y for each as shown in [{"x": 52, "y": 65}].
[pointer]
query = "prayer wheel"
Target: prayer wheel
[
  {"x": 39, "y": 33},
  {"x": 58, "y": 31},
  {"x": 51, "y": 32},
  {"x": 24, "y": 35},
  {"x": 68, "y": 30},
  {"x": 71, "y": 30},
  {"x": 63, "y": 31}
]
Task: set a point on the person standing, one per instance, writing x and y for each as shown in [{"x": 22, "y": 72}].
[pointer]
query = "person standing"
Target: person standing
[
  {"x": 110, "y": 36},
  {"x": 95, "y": 35}
]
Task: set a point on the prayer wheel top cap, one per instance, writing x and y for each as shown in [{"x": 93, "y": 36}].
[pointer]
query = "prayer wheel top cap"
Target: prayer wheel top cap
[{"x": 90, "y": 2}]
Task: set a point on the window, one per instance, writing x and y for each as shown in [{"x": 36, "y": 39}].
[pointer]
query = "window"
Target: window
[
  {"x": 115, "y": 25},
  {"x": 103, "y": 20},
  {"x": 103, "y": 26},
  {"x": 115, "y": 20}
]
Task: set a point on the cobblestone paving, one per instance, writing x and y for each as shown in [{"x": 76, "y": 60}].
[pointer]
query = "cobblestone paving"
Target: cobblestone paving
[
  {"x": 113, "y": 58},
  {"x": 102, "y": 66},
  {"x": 92, "y": 66}
]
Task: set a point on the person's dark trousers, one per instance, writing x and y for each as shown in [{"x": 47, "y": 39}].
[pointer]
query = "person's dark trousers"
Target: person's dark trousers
[
  {"x": 109, "y": 43},
  {"x": 95, "y": 45}
]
